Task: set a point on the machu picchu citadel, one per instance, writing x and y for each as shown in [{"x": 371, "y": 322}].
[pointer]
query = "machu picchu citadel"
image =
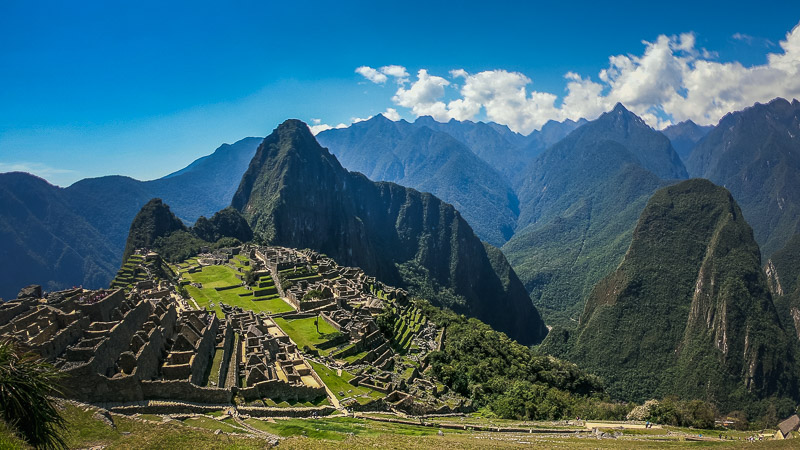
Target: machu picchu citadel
[{"x": 148, "y": 345}]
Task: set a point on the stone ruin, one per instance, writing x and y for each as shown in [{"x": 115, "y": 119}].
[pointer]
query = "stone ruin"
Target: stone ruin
[{"x": 150, "y": 344}]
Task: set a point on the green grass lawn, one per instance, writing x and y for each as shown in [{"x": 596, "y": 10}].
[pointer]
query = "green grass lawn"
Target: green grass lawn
[
  {"x": 83, "y": 431},
  {"x": 304, "y": 333},
  {"x": 269, "y": 304},
  {"x": 337, "y": 428},
  {"x": 215, "y": 276},
  {"x": 241, "y": 261},
  {"x": 341, "y": 383}
]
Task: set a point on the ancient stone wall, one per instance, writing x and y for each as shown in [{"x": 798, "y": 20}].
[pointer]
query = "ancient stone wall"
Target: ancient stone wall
[
  {"x": 63, "y": 338},
  {"x": 276, "y": 389},
  {"x": 119, "y": 337},
  {"x": 254, "y": 411},
  {"x": 101, "y": 311},
  {"x": 185, "y": 391},
  {"x": 11, "y": 309},
  {"x": 205, "y": 351}
]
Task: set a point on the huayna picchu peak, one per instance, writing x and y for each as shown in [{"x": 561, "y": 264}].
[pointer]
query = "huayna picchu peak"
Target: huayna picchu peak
[
  {"x": 688, "y": 312},
  {"x": 295, "y": 193}
]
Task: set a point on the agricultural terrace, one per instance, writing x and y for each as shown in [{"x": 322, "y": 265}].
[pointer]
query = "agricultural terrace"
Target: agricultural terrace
[{"x": 338, "y": 381}]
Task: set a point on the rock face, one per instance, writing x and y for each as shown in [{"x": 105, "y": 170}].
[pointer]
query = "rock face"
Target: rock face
[
  {"x": 783, "y": 275},
  {"x": 579, "y": 203},
  {"x": 32, "y": 291},
  {"x": 688, "y": 311},
  {"x": 154, "y": 220},
  {"x": 755, "y": 153},
  {"x": 295, "y": 193}
]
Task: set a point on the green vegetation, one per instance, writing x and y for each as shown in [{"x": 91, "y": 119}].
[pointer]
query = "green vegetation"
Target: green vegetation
[
  {"x": 313, "y": 294},
  {"x": 647, "y": 328},
  {"x": 156, "y": 227},
  {"x": 304, "y": 332},
  {"x": 222, "y": 276},
  {"x": 340, "y": 386},
  {"x": 492, "y": 370},
  {"x": 216, "y": 363},
  {"x": 766, "y": 182},
  {"x": 215, "y": 277},
  {"x": 26, "y": 382},
  {"x": 338, "y": 428},
  {"x": 213, "y": 425},
  {"x": 400, "y": 324},
  {"x": 226, "y": 223},
  {"x": 129, "y": 274},
  {"x": 87, "y": 431},
  {"x": 153, "y": 221}
]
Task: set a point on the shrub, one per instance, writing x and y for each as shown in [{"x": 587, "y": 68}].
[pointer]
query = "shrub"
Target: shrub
[{"x": 26, "y": 383}]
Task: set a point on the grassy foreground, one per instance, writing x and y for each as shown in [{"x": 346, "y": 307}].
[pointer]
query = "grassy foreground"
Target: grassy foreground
[{"x": 156, "y": 432}]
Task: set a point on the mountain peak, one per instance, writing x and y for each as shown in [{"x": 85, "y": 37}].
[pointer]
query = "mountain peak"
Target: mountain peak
[
  {"x": 619, "y": 108},
  {"x": 678, "y": 296},
  {"x": 293, "y": 127},
  {"x": 422, "y": 120},
  {"x": 154, "y": 220}
]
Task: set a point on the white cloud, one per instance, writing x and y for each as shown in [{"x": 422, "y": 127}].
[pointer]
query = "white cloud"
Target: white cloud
[
  {"x": 359, "y": 119},
  {"x": 399, "y": 73},
  {"x": 320, "y": 127},
  {"x": 381, "y": 75},
  {"x": 372, "y": 74},
  {"x": 671, "y": 81},
  {"x": 423, "y": 96},
  {"x": 391, "y": 114}
]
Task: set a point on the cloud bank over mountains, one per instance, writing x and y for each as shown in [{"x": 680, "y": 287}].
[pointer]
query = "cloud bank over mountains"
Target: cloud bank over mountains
[{"x": 672, "y": 81}]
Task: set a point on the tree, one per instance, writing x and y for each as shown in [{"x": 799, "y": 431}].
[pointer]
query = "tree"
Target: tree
[{"x": 26, "y": 383}]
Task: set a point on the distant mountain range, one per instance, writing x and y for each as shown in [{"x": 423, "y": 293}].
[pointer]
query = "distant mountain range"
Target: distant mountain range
[
  {"x": 62, "y": 237},
  {"x": 684, "y": 136},
  {"x": 562, "y": 202},
  {"x": 423, "y": 158},
  {"x": 755, "y": 153}
]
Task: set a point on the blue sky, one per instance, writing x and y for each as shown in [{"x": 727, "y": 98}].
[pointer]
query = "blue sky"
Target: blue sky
[{"x": 143, "y": 88}]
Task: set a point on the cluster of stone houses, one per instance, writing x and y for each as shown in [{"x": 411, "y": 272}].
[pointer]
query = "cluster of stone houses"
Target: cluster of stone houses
[
  {"x": 115, "y": 346},
  {"x": 265, "y": 363}
]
